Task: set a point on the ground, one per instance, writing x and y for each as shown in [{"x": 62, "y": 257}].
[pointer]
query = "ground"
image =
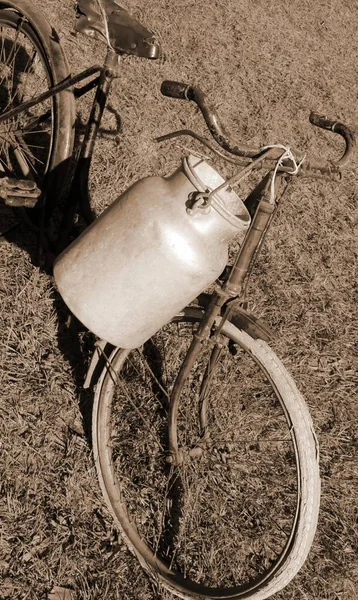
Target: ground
[{"x": 265, "y": 65}]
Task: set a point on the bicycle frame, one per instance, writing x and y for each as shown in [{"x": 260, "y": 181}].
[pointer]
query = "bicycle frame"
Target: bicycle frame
[
  {"x": 79, "y": 184},
  {"x": 223, "y": 301},
  {"x": 260, "y": 203},
  {"x": 78, "y": 195},
  {"x": 261, "y": 206}
]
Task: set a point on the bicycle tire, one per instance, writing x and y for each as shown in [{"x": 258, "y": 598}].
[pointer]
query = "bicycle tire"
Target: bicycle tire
[
  {"x": 127, "y": 462},
  {"x": 32, "y": 61}
]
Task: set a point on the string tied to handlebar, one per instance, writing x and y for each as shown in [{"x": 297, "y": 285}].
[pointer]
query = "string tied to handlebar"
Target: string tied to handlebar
[
  {"x": 286, "y": 155},
  {"x": 202, "y": 200}
]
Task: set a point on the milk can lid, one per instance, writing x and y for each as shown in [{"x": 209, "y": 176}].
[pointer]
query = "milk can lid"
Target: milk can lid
[{"x": 204, "y": 177}]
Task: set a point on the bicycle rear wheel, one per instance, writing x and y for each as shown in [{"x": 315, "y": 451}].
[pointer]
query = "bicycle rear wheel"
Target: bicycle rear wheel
[
  {"x": 237, "y": 517},
  {"x": 37, "y": 144}
]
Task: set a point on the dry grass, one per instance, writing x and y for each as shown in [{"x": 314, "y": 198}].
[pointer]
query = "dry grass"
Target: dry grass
[{"x": 265, "y": 64}]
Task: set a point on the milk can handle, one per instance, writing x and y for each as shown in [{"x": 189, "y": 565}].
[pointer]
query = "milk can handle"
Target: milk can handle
[{"x": 203, "y": 199}]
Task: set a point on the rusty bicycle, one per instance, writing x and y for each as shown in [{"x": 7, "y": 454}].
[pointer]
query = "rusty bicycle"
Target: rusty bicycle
[{"x": 204, "y": 447}]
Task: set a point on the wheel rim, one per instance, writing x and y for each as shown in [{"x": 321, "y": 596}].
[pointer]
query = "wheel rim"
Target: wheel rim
[
  {"x": 251, "y": 460},
  {"x": 26, "y": 140}
]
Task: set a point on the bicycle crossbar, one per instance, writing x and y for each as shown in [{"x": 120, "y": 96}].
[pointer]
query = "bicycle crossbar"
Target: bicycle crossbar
[{"x": 59, "y": 87}]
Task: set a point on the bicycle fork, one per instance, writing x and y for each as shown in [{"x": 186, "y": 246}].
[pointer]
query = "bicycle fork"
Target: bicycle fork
[{"x": 221, "y": 303}]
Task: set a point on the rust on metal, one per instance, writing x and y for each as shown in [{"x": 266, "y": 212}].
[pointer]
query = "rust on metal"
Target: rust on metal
[{"x": 124, "y": 34}]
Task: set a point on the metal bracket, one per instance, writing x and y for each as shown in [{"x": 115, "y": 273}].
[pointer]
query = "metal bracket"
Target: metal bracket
[{"x": 198, "y": 202}]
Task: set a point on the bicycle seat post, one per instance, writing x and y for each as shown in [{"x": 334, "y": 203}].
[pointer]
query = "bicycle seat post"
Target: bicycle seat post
[
  {"x": 79, "y": 194},
  {"x": 108, "y": 73}
]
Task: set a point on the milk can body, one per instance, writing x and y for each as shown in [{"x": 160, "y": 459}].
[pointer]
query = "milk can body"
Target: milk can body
[{"x": 146, "y": 257}]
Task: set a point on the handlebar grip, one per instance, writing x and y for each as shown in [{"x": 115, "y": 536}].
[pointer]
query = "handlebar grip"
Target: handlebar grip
[
  {"x": 336, "y": 127},
  {"x": 322, "y": 121},
  {"x": 175, "y": 89}
]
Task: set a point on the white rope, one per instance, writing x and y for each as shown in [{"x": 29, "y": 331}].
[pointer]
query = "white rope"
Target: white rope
[{"x": 286, "y": 154}]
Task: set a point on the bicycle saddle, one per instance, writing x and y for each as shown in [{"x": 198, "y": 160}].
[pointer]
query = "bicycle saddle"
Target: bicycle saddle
[{"x": 123, "y": 33}]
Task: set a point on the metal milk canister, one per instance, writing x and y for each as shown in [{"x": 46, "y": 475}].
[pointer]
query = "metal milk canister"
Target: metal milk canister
[{"x": 147, "y": 256}]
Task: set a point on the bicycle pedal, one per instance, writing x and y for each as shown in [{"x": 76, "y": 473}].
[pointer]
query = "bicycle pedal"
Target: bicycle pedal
[{"x": 19, "y": 192}]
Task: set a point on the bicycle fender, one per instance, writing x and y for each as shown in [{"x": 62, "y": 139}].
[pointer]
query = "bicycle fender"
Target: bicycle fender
[
  {"x": 255, "y": 327},
  {"x": 242, "y": 319},
  {"x": 96, "y": 363}
]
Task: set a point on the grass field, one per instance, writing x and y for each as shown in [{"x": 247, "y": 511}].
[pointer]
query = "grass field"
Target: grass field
[{"x": 265, "y": 66}]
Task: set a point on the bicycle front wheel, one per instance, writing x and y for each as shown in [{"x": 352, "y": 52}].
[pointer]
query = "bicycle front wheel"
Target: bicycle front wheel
[
  {"x": 37, "y": 143},
  {"x": 237, "y": 517}
]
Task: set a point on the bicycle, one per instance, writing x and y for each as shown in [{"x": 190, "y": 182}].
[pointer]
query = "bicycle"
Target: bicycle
[{"x": 145, "y": 466}]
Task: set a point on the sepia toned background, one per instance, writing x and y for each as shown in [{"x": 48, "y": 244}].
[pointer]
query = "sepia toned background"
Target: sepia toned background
[{"x": 265, "y": 64}]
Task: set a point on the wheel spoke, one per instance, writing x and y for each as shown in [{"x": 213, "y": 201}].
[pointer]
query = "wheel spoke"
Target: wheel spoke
[
  {"x": 154, "y": 376},
  {"x": 23, "y": 77}
]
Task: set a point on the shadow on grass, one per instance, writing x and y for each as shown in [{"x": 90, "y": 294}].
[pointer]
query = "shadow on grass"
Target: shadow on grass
[
  {"x": 77, "y": 345},
  {"x": 20, "y": 227},
  {"x": 74, "y": 341}
]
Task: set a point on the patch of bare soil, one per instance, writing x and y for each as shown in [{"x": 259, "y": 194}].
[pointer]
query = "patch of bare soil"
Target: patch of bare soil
[{"x": 265, "y": 65}]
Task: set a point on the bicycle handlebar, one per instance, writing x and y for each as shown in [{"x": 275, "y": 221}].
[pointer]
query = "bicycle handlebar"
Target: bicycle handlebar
[
  {"x": 339, "y": 128},
  {"x": 183, "y": 91}
]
